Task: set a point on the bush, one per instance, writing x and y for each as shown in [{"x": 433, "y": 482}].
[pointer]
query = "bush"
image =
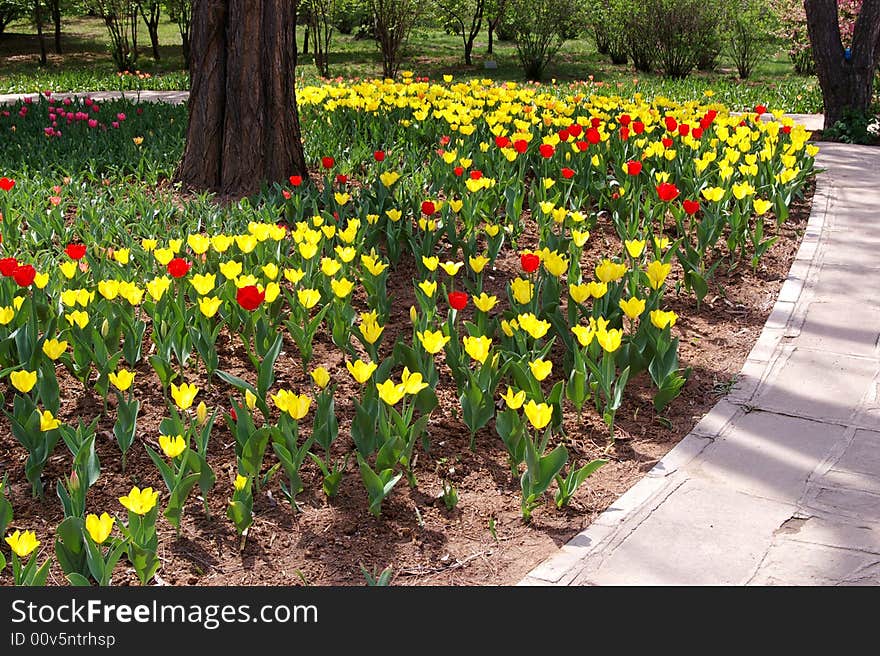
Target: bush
[
  {"x": 677, "y": 35},
  {"x": 607, "y": 22},
  {"x": 10, "y": 10},
  {"x": 538, "y": 30},
  {"x": 750, "y": 34},
  {"x": 352, "y": 15}
]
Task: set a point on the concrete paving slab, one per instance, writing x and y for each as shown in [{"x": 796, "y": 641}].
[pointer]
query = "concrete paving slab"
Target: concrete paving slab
[
  {"x": 768, "y": 454},
  {"x": 797, "y": 563},
  {"x": 817, "y": 385},
  {"x": 823, "y": 329},
  {"x": 702, "y": 534}
]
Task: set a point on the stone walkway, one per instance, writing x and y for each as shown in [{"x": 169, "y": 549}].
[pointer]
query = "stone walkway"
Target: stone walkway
[{"x": 780, "y": 482}]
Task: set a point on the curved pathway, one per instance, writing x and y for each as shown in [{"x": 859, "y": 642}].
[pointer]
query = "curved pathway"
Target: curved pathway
[{"x": 780, "y": 482}]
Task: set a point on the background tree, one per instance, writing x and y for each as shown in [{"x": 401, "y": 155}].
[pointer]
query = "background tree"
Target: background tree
[
  {"x": 180, "y": 12},
  {"x": 11, "y": 10},
  {"x": 38, "y": 19},
  {"x": 121, "y": 19},
  {"x": 845, "y": 76},
  {"x": 750, "y": 26},
  {"x": 494, "y": 11},
  {"x": 465, "y": 17},
  {"x": 321, "y": 18},
  {"x": 151, "y": 12},
  {"x": 538, "y": 30},
  {"x": 55, "y": 12},
  {"x": 243, "y": 120},
  {"x": 393, "y": 21}
]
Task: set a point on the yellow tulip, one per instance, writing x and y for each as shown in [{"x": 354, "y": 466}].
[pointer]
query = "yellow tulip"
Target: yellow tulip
[
  {"x": 632, "y": 307},
  {"x": 294, "y": 275},
  {"x": 373, "y": 264},
  {"x": 138, "y": 501},
  {"x": 121, "y": 255},
  {"x": 393, "y": 215},
  {"x": 48, "y": 421},
  {"x": 330, "y": 267},
  {"x": 579, "y": 238},
  {"x": 610, "y": 339},
  {"x": 430, "y": 262},
  {"x": 412, "y": 382},
  {"x": 198, "y": 243},
  {"x": 342, "y": 287},
  {"x": 657, "y": 272},
  {"x": 761, "y": 206},
  {"x": 121, "y": 379},
  {"x": 99, "y": 528},
  {"x": 23, "y": 380},
  {"x": 184, "y": 395},
  {"x": 432, "y": 342},
  {"x": 608, "y": 271},
  {"x": 68, "y": 269},
  {"x": 484, "y": 302},
  {"x": 172, "y": 446},
  {"x": 661, "y": 319},
  {"x": 584, "y": 335},
  {"x": 231, "y": 269},
  {"x": 388, "y": 178},
  {"x": 371, "y": 331},
  {"x": 535, "y": 327},
  {"x": 41, "y": 280},
  {"x": 78, "y": 318},
  {"x": 250, "y": 399},
  {"x": 390, "y": 392},
  {"x": 203, "y": 283},
  {"x": 514, "y": 400},
  {"x": 163, "y": 255},
  {"x": 579, "y": 293},
  {"x": 634, "y": 247},
  {"x": 478, "y": 263},
  {"x": 245, "y": 243},
  {"x": 109, "y": 289},
  {"x": 522, "y": 290},
  {"x": 22, "y": 544},
  {"x": 208, "y": 305},
  {"x": 308, "y": 298},
  {"x": 321, "y": 377},
  {"x": 360, "y": 371},
  {"x": 157, "y": 287},
  {"x": 539, "y": 414},
  {"x": 477, "y": 347},
  {"x": 451, "y": 268},
  {"x": 240, "y": 482},
  {"x": 540, "y": 368},
  {"x": 53, "y": 348},
  {"x": 554, "y": 263},
  {"x": 296, "y": 405},
  {"x": 7, "y": 314},
  {"x": 428, "y": 287}
]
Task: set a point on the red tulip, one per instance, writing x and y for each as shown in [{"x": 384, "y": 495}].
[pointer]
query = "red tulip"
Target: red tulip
[
  {"x": 563, "y": 135},
  {"x": 786, "y": 129},
  {"x": 581, "y": 145},
  {"x": 458, "y": 171},
  {"x": 75, "y": 251},
  {"x": 691, "y": 206},
  {"x": 24, "y": 275},
  {"x": 6, "y": 183},
  {"x": 633, "y": 167},
  {"x": 760, "y": 109},
  {"x": 567, "y": 173},
  {"x": 697, "y": 133},
  {"x": 458, "y": 300},
  {"x": 249, "y": 297},
  {"x": 684, "y": 129},
  {"x": 624, "y": 133},
  {"x": 667, "y": 142},
  {"x": 8, "y": 265},
  {"x": 529, "y": 262},
  {"x": 233, "y": 414},
  {"x": 428, "y": 208},
  {"x": 520, "y": 146},
  {"x": 296, "y": 180},
  {"x": 341, "y": 179},
  {"x": 624, "y": 119},
  {"x": 667, "y": 192},
  {"x": 379, "y": 155},
  {"x": 178, "y": 267},
  {"x": 546, "y": 150},
  {"x": 502, "y": 142},
  {"x": 638, "y": 127},
  {"x": 575, "y": 130},
  {"x": 476, "y": 174},
  {"x": 593, "y": 136},
  {"x": 671, "y": 123},
  {"x": 327, "y": 162}
]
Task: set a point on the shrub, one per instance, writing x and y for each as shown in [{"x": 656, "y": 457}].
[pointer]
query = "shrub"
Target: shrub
[
  {"x": 393, "y": 20},
  {"x": 750, "y": 34},
  {"x": 607, "y": 22},
  {"x": 538, "y": 30}
]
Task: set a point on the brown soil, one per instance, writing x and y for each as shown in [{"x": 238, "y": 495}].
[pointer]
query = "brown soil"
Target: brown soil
[{"x": 483, "y": 541}]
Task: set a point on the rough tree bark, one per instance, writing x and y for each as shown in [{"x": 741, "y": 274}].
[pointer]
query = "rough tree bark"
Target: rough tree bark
[
  {"x": 243, "y": 120},
  {"x": 846, "y": 83}
]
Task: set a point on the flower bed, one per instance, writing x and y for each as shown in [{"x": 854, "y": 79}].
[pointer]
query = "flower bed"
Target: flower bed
[{"x": 463, "y": 303}]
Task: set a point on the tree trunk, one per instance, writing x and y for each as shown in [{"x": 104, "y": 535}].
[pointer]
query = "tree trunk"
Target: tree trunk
[
  {"x": 846, "y": 82},
  {"x": 306, "y": 40},
  {"x": 491, "y": 38},
  {"x": 243, "y": 120},
  {"x": 468, "y": 48},
  {"x": 38, "y": 17},
  {"x": 151, "y": 20},
  {"x": 56, "y": 19}
]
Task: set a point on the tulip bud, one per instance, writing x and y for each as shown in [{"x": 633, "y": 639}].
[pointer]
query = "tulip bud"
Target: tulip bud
[
  {"x": 250, "y": 399},
  {"x": 413, "y": 315},
  {"x": 202, "y": 413},
  {"x": 105, "y": 328},
  {"x": 73, "y": 481}
]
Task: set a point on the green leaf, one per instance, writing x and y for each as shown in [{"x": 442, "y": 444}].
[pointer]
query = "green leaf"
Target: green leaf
[
  {"x": 177, "y": 500},
  {"x": 266, "y": 374}
]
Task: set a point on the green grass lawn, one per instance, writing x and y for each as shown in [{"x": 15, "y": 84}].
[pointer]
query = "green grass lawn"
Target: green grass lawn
[{"x": 86, "y": 65}]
